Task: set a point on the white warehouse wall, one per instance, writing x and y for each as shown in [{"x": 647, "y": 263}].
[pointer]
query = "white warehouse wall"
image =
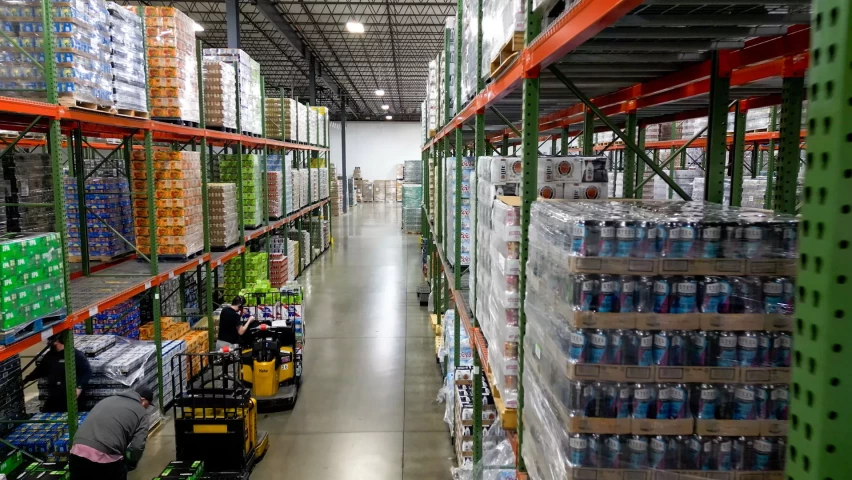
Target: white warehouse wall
[{"x": 376, "y": 147}]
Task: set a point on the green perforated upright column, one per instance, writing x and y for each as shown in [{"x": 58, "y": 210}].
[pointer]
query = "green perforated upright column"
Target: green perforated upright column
[
  {"x": 717, "y": 130},
  {"x": 529, "y": 192},
  {"x": 739, "y": 155},
  {"x": 588, "y": 133},
  {"x": 819, "y": 441},
  {"x": 792, "y": 95},
  {"x": 629, "y": 157}
]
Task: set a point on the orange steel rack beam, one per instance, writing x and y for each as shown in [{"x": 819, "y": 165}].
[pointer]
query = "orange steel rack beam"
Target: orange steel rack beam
[{"x": 171, "y": 271}]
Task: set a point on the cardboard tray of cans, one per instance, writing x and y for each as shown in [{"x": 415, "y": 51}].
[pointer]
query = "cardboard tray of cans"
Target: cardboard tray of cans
[
  {"x": 619, "y": 474},
  {"x": 682, "y": 266},
  {"x": 677, "y": 321}
]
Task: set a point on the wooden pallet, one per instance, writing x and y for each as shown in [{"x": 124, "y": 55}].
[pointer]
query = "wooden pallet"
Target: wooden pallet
[
  {"x": 93, "y": 107},
  {"x": 33, "y": 327},
  {"x": 511, "y": 50},
  {"x": 133, "y": 113}
]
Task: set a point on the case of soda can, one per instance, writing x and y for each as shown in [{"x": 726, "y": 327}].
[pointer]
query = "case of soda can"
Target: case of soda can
[
  {"x": 630, "y": 365},
  {"x": 109, "y": 215},
  {"x": 224, "y": 225},
  {"x": 248, "y": 71},
  {"x": 230, "y": 167},
  {"x": 177, "y": 199},
  {"x": 220, "y": 94},
  {"x": 571, "y": 177},
  {"x": 468, "y": 165},
  {"x": 172, "y": 67}
]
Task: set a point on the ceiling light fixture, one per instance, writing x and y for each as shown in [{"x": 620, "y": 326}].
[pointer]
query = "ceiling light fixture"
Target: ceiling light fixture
[
  {"x": 196, "y": 27},
  {"x": 385, "y": 107},
  {"x": 353, "y": 26},
  {"x": 388, "y": 117},
  {"x": 380, "y": 92}
]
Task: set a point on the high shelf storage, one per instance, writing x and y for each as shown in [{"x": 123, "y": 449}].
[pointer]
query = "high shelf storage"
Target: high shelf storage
[
  {"x": 104, "y": 149},
  {"x": 632, "y": 80}
]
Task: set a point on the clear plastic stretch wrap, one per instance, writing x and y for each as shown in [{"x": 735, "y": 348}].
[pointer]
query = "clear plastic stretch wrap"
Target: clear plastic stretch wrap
[
  {"x": 498, "y": 458},
  {"x": 302, "y": 122},
  {"x": 172, "y": 67},
  {"x": 224, "y": 224},
  {"x": 177, "y": 190},
  {"x": 312, "y": 126},
  {"x": 469, "y": 39},
  {"x": 128, "y": 59},
  {"x": 657, "y": 369},
  {"x": 500, "y": 20},
  {"x": 81, "y": 34},
  {"x": 220, "y": 94},
  {"x": 321, "y": 124},
  {"x": 249, "y": 85},
  {"x": 431, "y": 111}
]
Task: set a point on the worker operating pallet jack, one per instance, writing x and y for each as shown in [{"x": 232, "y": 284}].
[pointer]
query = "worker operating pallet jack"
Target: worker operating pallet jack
[{"x": 271, "y": 356}]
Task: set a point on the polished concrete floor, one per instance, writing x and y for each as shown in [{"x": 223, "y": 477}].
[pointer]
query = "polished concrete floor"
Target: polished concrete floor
[{"x": 367, "y": 406}]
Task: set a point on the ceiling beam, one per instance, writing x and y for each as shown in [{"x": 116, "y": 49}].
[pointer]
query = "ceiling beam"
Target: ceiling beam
[{"x": 274, "y": 17}]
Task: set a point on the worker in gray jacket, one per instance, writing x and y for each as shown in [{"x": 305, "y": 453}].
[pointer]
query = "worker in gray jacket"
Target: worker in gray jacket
[{"x": 113, "y": 433}]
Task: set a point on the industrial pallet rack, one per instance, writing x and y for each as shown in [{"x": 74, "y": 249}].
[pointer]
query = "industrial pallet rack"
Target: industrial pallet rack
[
  {"x": 94, "y": 288},
  {"x": 608, "y": 65}
]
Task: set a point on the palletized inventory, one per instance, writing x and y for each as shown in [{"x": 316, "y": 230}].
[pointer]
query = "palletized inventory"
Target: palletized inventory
[{"x": 638, "y": 334}]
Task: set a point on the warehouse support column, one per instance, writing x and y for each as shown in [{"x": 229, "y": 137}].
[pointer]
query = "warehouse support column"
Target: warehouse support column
[
  {"x": 792, "y": 95},
  {"x": 479, "y": 150},
  {"x": 343, "y": 153},
  {"x": 504, "y": 146},
  {"x": 738, "y": 154},
  {"x": 770, "y": 162},
  {"x": 459, "y": 156},
  {"x": 819, "y": 443},
  {"x": 588, "y": 133},
  {"x": 563, "y": 142},
  {"x": 232, "y": 23},
  {"x": 640, "y": 167},
  {"x": 529, "y": 193},
  {"x": 312, "y": 78},
  {"x": 629, "y": 157},
  {"x": 717, "y": 126}
]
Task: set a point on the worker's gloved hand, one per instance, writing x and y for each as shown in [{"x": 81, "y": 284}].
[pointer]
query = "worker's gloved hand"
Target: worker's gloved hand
[{"x": 129, "y": 463}]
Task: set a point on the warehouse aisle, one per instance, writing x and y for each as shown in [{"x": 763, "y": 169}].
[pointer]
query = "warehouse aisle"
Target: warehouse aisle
[{"x": 367, "y": 407}]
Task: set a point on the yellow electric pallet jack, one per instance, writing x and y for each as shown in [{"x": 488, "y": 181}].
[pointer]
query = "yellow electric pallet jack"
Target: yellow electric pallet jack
[
  {"x": 216, "y": 416},
  {"x": 269, "y": 365}
]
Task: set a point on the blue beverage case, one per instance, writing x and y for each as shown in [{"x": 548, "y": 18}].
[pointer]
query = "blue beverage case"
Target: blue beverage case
[
  {"x": 578, "y": 346},
  {"x": 616, "y": 348},
  {"x": 761, "y": 454},
  {"x": 773, "y": 295},
  {"x": 782, "y": 345},
  {"x": 607, "y": 240},
  {"x": 761, "y": 402},
  {"x": 698, "y": 348},
  {"x": 745, "y": 403},
  {"x": 707, "y": 402},
  {"x": 747, "y": 344},
  {"x": 625, "y": 235},
  {"x": 711, "y": 241},
  {"x": 626, "y": 294},
  {"x": 644, "y": 348},
  {"x": 779, "y": 402},
  {"x": 662, "y": 295},
  {"x": 678, "y": 402},
  {"x": 597, "y": 347},
  {"x": 613, "y": 456},
  {"x": 658, "y": 453},
  {"x": 663, "y": 402},
  {"x": 722, "y": 454},
  {"x": 662, "y": 347},
  {"x": 578, "y": 446},
  {"x": 637, "y": 452},
  {"x": 726, "y": 350},
  {"x": 643, "y": 398},
  {"x": 607, "y": 301},
  {"x": 623, "y": 400}
]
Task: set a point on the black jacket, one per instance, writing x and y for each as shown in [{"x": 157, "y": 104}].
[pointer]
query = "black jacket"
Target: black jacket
[{"x": 52, "y": 366}]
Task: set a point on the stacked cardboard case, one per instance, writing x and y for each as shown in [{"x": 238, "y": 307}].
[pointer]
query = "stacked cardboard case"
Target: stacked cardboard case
[
  {"x": 229, "y": 171},
  {"x": 322, "y": 125},
  {"x": 81, "y": 31},
  {"x": 249, "y": 85},
  {"x": 172, "y": 67},
  {"x": 108, "y": 216},
  {"x": 224, "y": 226},
  {"x": 466, "y": 221},
  {"x": 277, "y": 178},
  {"x": 336, "y": 197},
  {"x": 26, "y": 178},
  {"x": 289, "y": 108},
  {"x": 177, "y": 197},
  {"x": 668, "y": 369},
  {"x": 256, "y": 270},
  {"x": 123, "y": 320},
  {"x": 220, "y": 94},
  {"x": 302, "y": 122},
  {"x": 127, "y": 58},
  {"x": 313, "y": 128}
]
